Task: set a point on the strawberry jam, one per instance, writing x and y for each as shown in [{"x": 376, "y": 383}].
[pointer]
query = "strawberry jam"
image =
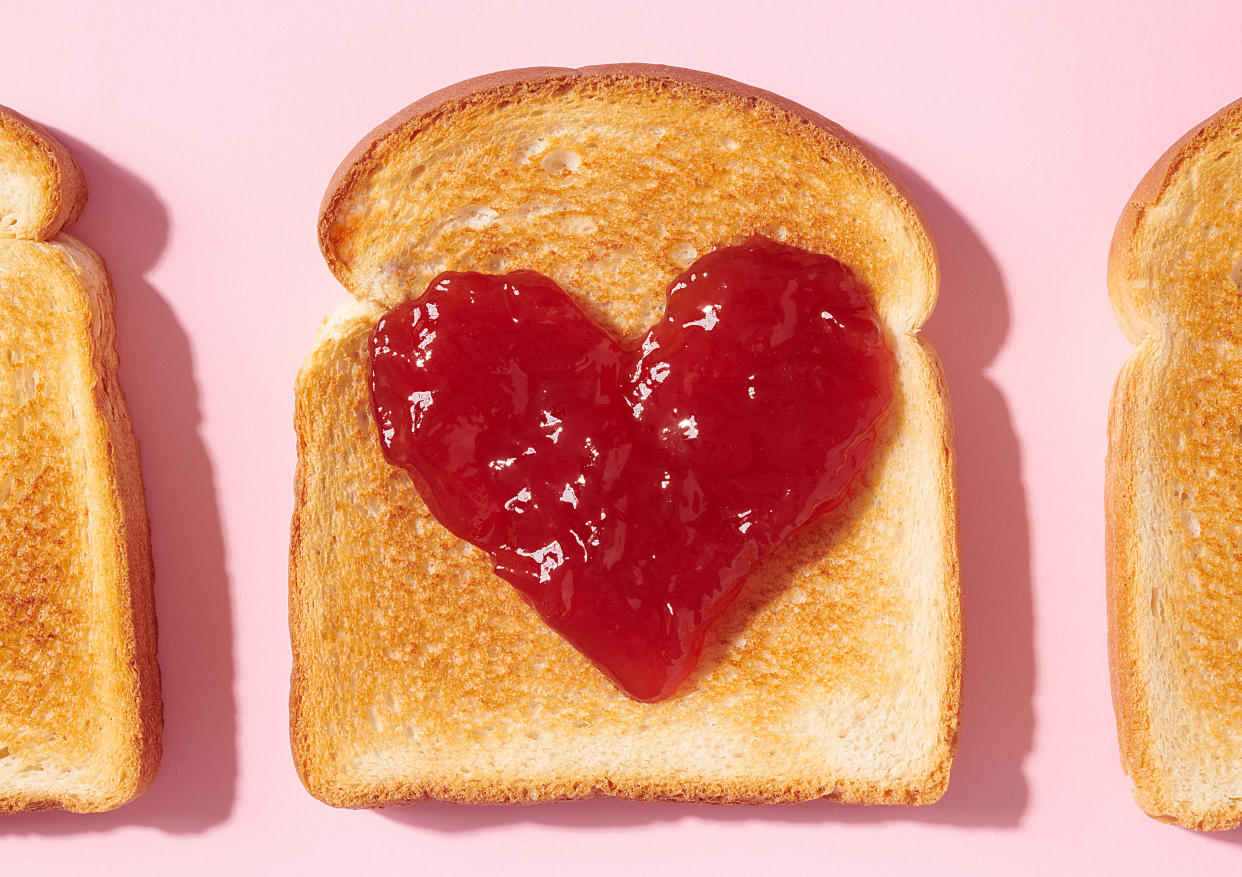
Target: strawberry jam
[{"x": 626, "y": 489}]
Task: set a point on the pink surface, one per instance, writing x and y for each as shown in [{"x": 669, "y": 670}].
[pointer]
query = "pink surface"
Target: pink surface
[{"x": 207, "y": 138}]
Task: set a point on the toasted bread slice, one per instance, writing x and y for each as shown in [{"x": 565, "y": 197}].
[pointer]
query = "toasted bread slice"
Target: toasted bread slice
[
  {"x": 418, "y": 672},
  {"x": 80, "y": 712},
  {"x": 1174, "y": 493}
]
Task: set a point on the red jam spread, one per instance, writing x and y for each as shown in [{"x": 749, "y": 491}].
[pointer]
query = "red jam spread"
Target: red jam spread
[{"x": 626, "y": 489}]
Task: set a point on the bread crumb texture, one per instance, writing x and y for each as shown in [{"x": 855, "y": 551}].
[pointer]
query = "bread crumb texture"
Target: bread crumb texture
[
  {"x": 62, "y": 665},
  {"x": 419, "y": 673},
  {"x": 1176, "y": 483}
]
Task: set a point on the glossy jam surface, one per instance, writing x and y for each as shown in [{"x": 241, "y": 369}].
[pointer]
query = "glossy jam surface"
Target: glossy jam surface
[{"x": 627, "y": 489}]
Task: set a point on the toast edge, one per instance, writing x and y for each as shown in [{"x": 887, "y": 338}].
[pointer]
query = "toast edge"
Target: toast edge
[
  {"x": 937, "y": 781},
  {"x": 70, "y": 186},
  {"x": 137, "y": 579}
]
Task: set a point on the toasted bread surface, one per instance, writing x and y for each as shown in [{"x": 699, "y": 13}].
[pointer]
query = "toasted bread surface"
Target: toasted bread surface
[
  {"x": 419, "y": 673},
  {"x": 80, "y": 711},
  {"x": 1174, "y": 492}
]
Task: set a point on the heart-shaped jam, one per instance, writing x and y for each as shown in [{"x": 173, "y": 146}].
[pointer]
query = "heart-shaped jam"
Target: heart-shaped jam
[{"x": 627, "y": 489}]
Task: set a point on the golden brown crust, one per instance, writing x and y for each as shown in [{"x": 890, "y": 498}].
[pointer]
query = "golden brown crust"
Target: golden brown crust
[
  {"x": 298, "y": 620},
  {"x": 349, "y": 513},
  {"x": 67, "y": 194},
  {"x": 1167, "y": 380},
  {"x": 134, "y": 542},
  {"x": 1121, "y": 515},
  {"x": 954, "y": 648},
  {"x": 695, "y": 790}
]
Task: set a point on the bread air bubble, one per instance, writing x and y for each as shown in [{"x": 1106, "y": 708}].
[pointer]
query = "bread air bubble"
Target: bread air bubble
[
  {"x": 682, "y": 254},
  {"x": 527, "y": 151},
  {"x": 475, "y": 217},
  {"x": 560, "y": 161}
]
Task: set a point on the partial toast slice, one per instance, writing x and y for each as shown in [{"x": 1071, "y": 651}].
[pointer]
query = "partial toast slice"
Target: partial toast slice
[
  {"x": 41, "y": 188},
  {"x": 80, "y": 712},
  {"x": 1174, "y": 494},
  {"x": 419, "y": 673}
]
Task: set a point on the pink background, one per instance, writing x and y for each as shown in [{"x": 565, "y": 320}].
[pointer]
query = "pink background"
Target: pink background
[{"x": 207, "y": 137}]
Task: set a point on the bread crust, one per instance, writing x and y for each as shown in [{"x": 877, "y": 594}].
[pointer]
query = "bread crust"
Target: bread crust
[
  {"x": 1130, "y": 309},
  {"x": 313, "y": 765},
  {"x": 1126, "y": 513},
  {"x": 68, "y": 191},
  {"x": 134, "y": 536},
  {"x": 111, "y": 454}
]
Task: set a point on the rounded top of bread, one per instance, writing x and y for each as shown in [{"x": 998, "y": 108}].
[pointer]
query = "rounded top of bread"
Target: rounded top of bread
[
  {"x": 41, "y": 188},
  {"x": 1170, "y": 259},
  {"x": 612, "y": 180}
]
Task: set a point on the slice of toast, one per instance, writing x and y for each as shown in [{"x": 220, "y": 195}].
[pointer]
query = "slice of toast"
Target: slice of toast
[
  {"x": 419, "y": 673},
  {"x": 80, "y": 711},
  {"x": 1174, "y": 494}
]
